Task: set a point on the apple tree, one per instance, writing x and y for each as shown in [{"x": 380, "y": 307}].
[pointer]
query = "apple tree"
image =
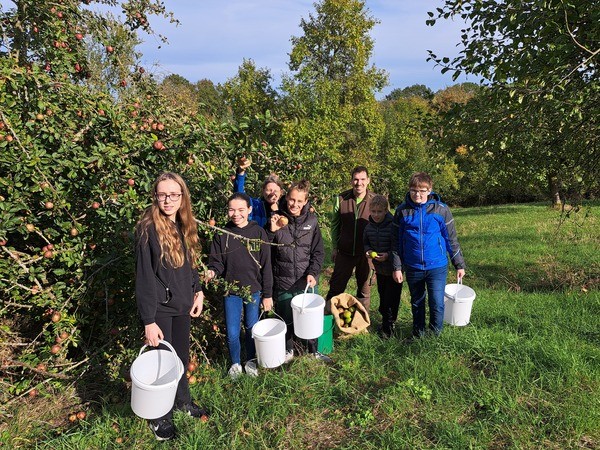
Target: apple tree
[
  {"x": 83, "y": 133},
  {"x": 540, "y": 62}
]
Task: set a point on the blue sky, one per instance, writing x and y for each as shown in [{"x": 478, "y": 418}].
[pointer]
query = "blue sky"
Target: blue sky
[{"x": 216, "y": 35}]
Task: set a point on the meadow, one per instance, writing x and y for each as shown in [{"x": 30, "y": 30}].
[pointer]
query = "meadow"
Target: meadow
[{"x": 524, "y": 374}]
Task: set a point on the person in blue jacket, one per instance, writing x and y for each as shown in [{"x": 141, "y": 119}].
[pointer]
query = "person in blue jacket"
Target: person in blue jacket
[
  {"x": 272, "y": 190},
  {"x": 424, "y": 237}
]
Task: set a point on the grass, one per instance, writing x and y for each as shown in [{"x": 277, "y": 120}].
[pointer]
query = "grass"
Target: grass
[{"x": 525, "y": 374}]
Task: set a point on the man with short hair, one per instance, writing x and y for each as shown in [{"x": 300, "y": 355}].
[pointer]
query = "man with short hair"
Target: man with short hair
[{"x": 349, "y": 218}]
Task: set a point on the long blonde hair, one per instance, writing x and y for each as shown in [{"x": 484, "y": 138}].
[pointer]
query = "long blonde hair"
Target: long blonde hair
[{"x": 171, "y": 249}]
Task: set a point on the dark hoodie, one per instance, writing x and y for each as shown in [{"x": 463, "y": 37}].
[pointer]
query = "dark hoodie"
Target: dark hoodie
[
  {"x": 231, "y": 258},
  {"x": 151, "y": 271},
  {"x": 378, "y": 238},
  {"x": 302, "y": 253}
]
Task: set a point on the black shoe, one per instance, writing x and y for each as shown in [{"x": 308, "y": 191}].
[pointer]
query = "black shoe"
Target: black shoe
[
  {"x": 191, "y": 409},
  {"x": 384, "y": 332},
  {"x": 163, "y": 429}
]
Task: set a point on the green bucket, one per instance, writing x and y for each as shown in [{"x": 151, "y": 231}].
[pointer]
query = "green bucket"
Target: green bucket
[{"x": 325, "y": 341}]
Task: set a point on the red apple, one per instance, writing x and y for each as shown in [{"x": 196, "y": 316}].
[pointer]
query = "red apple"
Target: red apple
[
  {"x": 78, "y": 36},
  {"x": 56, "y": 316},
  {"x": 74, "y": 232},
  {"x": 158, "y": 145},
  {"x": 131, "y": 182},
  {"x": 81, "y": 415},
  {"x": 110, "y": 49},
  {"x": 212, "y": 222},
  {"x": 48, "y": 254},
  {"x": 95, "y": 205},
  {"x": 55, "y": 349}
]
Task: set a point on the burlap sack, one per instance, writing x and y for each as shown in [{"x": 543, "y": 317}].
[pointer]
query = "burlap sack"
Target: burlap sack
[{"x": 361, "y": 319}]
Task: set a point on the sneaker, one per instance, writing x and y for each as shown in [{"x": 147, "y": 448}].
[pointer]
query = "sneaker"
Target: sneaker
[
  {"x": 235, "y": 370},
  {"x": 251, "y": 369},
  {"x": 191, "y": 409},
  {"x": 163, "y": 429},
  {"x": 321, "y": 357},
  {"x": 289, "y": 355}
]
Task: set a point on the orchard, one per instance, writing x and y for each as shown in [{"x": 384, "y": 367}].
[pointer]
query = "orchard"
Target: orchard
[{"x": 83, "y": 133}]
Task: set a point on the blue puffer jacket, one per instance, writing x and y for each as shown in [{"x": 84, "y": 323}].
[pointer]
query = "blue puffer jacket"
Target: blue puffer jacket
[
  {"x": 260, "y": 212},
  {"x": 426, "y": 234}
]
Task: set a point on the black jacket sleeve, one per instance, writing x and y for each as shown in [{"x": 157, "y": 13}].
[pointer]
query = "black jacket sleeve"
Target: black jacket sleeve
[
  {"x": 216, "y": 261},
  {"x": 146, "y": 293},
  {"x": 265, "y": 264},
  {"x": 317, "y": 253}
]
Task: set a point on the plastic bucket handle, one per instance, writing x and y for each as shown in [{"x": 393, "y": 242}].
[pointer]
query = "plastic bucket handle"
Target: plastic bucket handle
[
  {"x": 273, "y": 311},
  {"x": 304, "y": 296},
  {"x": 459, "y": 282},
  {"x": 170, "y": 347}
]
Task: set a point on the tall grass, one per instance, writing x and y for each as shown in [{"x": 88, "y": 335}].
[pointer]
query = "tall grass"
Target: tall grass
[{"x": 525, "y": 374}]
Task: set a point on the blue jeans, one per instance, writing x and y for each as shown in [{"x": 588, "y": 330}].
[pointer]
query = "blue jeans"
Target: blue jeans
[
  {"x": 435, "y": 282},
  {"x": 233, "y": 316}
]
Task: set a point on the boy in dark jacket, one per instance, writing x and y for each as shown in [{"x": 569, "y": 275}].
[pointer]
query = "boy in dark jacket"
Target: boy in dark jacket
[
  {"x": 298, "y": 262},
  {"x": 377, "y": 241},
  {"x": 245, "y": 262},
  {"x": 426, "y": 235}
]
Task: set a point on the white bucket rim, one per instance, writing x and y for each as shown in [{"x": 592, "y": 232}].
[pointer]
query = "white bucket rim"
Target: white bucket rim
[
  {"x": 467, "y": 293},
  {"x": 275, "y": 322}
]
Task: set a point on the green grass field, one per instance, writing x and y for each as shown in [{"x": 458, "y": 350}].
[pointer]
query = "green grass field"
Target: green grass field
[{"x": 525, "y": 374}]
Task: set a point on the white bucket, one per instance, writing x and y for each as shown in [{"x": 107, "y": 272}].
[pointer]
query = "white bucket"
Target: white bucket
[
  {"x": 308, "y": 311},
  {"x": 154, "y": 376},
  {"x": 458, "y": 301},
  {"x": 269, "y": 339}
]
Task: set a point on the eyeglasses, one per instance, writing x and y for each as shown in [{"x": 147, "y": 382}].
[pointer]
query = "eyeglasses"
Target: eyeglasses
[
  {"x": 173, "y": 197},
  {"x": 419, "y": 191}
]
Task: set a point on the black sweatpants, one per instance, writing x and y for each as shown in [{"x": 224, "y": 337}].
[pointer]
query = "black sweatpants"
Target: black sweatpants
[
  {"x": 176, "y": 331},
  {"x": 389, "y": 300}
]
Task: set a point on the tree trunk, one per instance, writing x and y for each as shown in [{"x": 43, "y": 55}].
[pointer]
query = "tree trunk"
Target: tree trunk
[{"x": 554, "y": 187}]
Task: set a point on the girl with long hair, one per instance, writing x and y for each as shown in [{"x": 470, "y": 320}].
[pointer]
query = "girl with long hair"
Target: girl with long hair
[{"x": 167, "y": 286}]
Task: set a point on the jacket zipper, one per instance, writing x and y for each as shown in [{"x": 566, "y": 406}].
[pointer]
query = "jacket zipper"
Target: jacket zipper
[{"x": 421, "y": 236}]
